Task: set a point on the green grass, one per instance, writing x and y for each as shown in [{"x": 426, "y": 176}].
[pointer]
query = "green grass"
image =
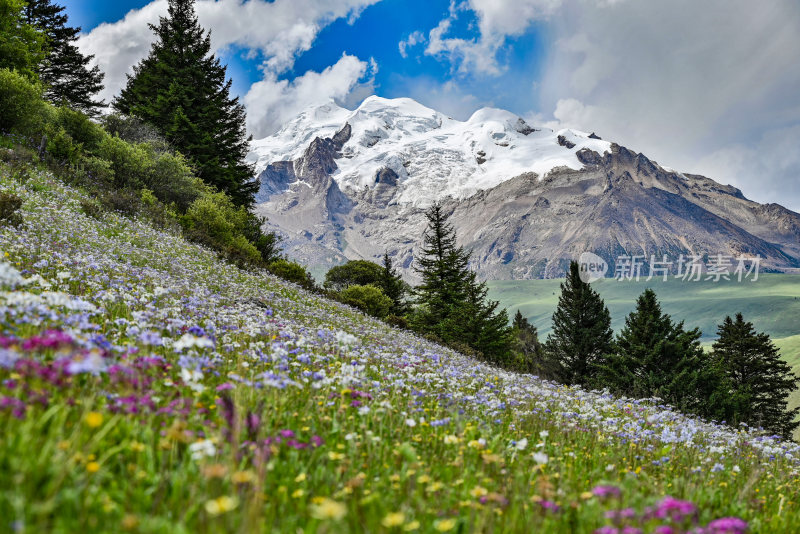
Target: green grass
[
  {"x": 259, "y": 407},
  {"x": 771, "y": 303}
]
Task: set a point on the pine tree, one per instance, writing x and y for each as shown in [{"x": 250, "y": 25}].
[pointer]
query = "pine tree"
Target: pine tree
[
  {"x": 393, "y": 286},
  {"x": 581, "y": 333},
  {"x": 655, "y": 357},
  {"x": 758, "y": 375},
  {"x": 21, "y": 45},
  {"x": 181, "y": 89},
  {"x": 478, "y": 323},
  {"x": 453, "y": 305},
  {"x": 65, "y": 71},
  {"x": 443, "y": 267}
]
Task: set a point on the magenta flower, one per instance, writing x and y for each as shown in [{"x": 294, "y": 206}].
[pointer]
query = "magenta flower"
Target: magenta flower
[
  {"x": 727, "y": 525},
  {"x": 672, "y": 508},
  {"x": 604, "y": 492}
]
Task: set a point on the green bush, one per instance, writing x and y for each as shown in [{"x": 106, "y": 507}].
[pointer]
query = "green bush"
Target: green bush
[
  {"x": 20, "y": 102},
  {"x": 368, "y": 299},
  {"x": 292, "y": 272},
  {"x": 396, "y": 321},
  {"x": 9, "y": 205},
  {"x": 80, "y": 128},
  {"x": 355, "y": 272},
  {"x": 62, "y": 148},
  {"x": 128, "y": 162},
  {"x": 171, "y": 179},
  {"x": 214, "y": 221}
]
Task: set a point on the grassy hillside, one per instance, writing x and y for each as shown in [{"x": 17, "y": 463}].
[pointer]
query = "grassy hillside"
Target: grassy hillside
[
  {"x": 148, "y": 386},
  {"x": 771, "y": 303}
]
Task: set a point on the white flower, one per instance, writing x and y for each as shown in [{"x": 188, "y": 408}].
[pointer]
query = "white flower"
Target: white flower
[
  {"x": 202, "y": 448},
  {"x": 410, "y": 422},
  {"x": 343, "y": 338},
  {"x": 364, "y": 410},
  {"x": 188, "y": 341},
  {"x": 543, "y": 434},
  {"x": 63, "y": 275},
  {"x": 540, "y": 458},
  {"x": 736, "y": 469},
  {"x": 522, "y": 444},
  {"x": 350, "y": 436},
  {"x": 610, "y": 467},
  {"x": 192, "y": 378},
  {"x": 9, "y": 276}
]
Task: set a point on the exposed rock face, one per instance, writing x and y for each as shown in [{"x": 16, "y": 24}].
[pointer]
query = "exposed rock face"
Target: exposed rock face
[{"x": 617, "y": 203}]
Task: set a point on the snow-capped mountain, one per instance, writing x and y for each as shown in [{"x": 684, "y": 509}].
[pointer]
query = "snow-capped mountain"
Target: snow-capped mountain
[
  {"x": 433, "y": 156},
  {"x": 342, "y": 184}
]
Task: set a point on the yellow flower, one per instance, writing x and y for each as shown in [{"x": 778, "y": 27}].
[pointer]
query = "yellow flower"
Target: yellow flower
[
  {"x": 328, "y": 509},
  {"x": 137, "y": 447},
  {"x": 394, "y": 519},
  {"x": 436, "y": 486},
  {"x": 586, "y": 495},
  {"x": 243, "y": 477},
  {"x": 424, "y": 479},
  {"x": 444, "y": 525},
  {"x": 299, "y": 478},
  {"x": 451, "y": 439},
  {"x": 334, "y": 456},
  {"x": 296, "y": 494},
  {"x": 93, "y": 467},
  {"x": 413, "y": 525},
  {"x": 221, "y": 505},
  {"x": 94, "y": 419},
  {"x": 478, "y": 491}
]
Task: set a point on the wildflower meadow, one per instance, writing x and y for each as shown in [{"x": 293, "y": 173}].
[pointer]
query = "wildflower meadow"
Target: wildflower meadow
[{"x": 148, "y": 386}]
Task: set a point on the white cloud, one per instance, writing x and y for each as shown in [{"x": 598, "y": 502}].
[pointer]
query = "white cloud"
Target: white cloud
[
  {"x": 271, "y": 102},
  {"x": 698, "y": 86},
  {"x": 497, "y": 19},
  {"x": 412, "y": 40},
  {"x": 280, "y": 30}
]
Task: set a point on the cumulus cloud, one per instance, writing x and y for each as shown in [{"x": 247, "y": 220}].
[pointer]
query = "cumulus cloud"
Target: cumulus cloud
[
  {"x": 497, "y": 20},
  {"x": 278, "y": 30},
  {"x": 701, "y": 87},
  {"x": 271, "y": 102}
]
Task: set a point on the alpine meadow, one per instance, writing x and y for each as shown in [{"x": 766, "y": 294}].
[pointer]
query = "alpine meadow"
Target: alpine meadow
[{"x": 287, "y": 266}]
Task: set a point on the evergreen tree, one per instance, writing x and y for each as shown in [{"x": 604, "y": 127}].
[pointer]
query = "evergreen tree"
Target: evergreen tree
[
  {"x": 181, "y": 89},
  {"x": 478, "y": 323},
  {"x": 757, "y": 375},
  {"x": 453, "y": 304},
  {"x": 581, "y": 334},
  {"x": 65, "y": 71},
  {"x": 21, "y": 45},
  {"x": 393, "y": 286},
  {"x": 443, "y": 268},
  {"x": 655, "y": 357}
]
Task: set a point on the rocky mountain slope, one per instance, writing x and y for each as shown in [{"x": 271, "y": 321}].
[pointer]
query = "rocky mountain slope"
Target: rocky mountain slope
[{"x": 342, "y": 184}]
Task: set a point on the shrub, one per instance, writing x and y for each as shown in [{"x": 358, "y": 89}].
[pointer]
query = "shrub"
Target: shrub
[
  {"x": 20, "y": 102},
  {"x": 171, "y": 179},
  {"x": 9, "y": 205},
  {"x": 368, "y": 299},
  {"x": 91, "y": 208},
  {"x": 355, "y": 272},
  {"x": 62, "y": 148},
  {"x": 124, "y": 201},
  {"x": 292, "y": 272},
  {"x": 267, "y": 243},
  {"x": 127, "y": 162},
  {"x": 80, "y": 128},
  {"x": 396, "y": 321}
]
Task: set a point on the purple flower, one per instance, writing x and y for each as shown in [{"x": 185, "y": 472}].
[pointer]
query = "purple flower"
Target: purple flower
[
  {"x": 672, "y": 508},
  {"x": 727, "y": 525},
  {"x": 604, "y": 492},
  {"x": 606, "y": 530}
]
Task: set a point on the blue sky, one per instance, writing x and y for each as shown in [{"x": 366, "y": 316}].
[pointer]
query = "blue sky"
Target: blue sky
[
  {"x": 704, "y": 87},
  {"x": 376, "y": 33}
]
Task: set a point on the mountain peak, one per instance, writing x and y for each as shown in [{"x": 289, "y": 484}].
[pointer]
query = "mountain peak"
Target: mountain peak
[{"x": 433, "y": 156}]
